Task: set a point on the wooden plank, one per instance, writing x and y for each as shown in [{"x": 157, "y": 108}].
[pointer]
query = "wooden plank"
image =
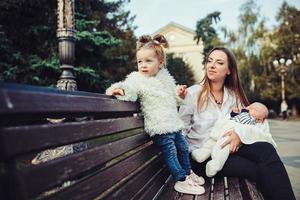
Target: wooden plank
[
  {"x": 57, "y": 171},
  {"x": 43, "y": 102},
  {"x": 251, "y": 190},
  {"x": 95, "y": 185},
  {"x": 218, "y": 189},
  {"x": 19, "y": 139},
  {"x": 208, "y": 188},
  {"x": 188, "y": 197},
  {"x": 153, "y": 186},
  {"x": 167, "y": 191},
  {"x": 149, "y": 183},
  {"x": 234, "y": 188}
]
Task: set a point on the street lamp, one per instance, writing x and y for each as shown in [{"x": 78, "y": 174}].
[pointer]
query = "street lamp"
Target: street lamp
[
  {"x": 66, "y": 44},
  {"x": 282, "y": 67}
]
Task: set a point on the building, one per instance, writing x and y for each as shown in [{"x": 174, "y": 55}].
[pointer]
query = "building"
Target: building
[{"x": 182, "y": 44}]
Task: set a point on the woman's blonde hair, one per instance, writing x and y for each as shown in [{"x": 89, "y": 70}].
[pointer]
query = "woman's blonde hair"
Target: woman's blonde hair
[
  {"x": 158, "y": 43},
  {"x": 232, "y": 82}
]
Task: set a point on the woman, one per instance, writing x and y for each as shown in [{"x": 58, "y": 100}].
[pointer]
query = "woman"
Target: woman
[{"x": 204, "y": 104}]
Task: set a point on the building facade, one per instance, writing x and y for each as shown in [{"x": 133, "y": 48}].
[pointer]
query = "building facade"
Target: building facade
[{"x": 182, "y": 44}]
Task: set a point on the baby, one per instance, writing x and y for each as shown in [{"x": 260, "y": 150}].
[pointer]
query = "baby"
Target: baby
[
  {"x": 158, "y": 95},
  {"x": 249, "y": 124}
]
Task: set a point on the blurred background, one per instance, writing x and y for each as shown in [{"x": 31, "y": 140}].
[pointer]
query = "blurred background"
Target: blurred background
[{"x": 263, "y": 34}]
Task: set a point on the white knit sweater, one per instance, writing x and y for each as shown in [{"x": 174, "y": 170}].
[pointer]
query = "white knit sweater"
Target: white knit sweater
[{"x": 158, "y": 98}]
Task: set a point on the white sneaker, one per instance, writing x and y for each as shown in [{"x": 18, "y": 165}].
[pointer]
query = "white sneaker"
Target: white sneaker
[
  {"x": 197, "y": 179},
  {"x": 189, "y": 187}
]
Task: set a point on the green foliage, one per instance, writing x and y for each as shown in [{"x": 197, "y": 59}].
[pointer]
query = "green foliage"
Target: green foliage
[
  {"x": 206, "y": 32},
  {"x": 23, "y": 48},
  {"x": 256, "y": 47},
  {"x": 180, "y": 70},
  {"x": 285, "y": 40},
  {"x": 105, "y": 43}
]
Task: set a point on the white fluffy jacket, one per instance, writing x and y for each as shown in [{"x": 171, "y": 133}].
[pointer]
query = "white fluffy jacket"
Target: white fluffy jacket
[{"x": 158, "y": 98}]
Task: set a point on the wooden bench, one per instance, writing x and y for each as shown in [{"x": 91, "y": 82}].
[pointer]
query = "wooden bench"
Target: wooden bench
[{"x": 120, "y": 162}]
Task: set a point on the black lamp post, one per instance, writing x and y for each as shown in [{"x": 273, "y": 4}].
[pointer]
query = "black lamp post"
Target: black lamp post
[{"x": 66, "y": 44}]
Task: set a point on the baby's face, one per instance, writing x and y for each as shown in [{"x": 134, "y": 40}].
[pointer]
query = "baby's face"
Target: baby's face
[{"x": 259, "y": 115}]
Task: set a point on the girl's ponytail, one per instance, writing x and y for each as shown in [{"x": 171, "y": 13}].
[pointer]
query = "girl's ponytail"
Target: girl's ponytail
[{"x": 161, "y": 40}]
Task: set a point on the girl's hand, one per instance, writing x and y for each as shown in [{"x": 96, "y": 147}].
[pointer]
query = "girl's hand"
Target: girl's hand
[
  {"x": 117, "y": 91},
  {"x": 233, "y": 140},
  {"x": 182, "y": 91}
]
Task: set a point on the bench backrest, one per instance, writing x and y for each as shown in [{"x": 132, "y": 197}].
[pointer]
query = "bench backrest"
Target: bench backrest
[{"x": 119, "y": 163}]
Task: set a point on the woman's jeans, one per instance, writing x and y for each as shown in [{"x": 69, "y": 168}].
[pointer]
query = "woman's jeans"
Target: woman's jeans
[
  {"x": 176, "y": 153},
  {"x": 258, "y": 162}
]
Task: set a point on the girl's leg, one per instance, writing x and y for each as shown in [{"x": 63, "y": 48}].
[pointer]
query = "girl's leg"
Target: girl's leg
[
  {"x": 166, "y": 143},
  {"x": 183, "y": 152},
  {"x": 274, "y": 179}
]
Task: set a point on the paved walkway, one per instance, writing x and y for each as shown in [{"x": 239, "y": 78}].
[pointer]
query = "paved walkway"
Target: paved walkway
[{"x": 287, "y": 136}]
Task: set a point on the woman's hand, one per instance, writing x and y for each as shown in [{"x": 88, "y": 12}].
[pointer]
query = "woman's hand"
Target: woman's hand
[
  {"x": 182, "y": 91},
  {"x": 233, "y": 140},
  {"x": 116, "y": 91},
  {"x": 236, "y": 110}
]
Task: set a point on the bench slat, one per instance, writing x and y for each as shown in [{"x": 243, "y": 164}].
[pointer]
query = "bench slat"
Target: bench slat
[
  {"x": 152, "y": 187},
  {"x": 187, "y": 197},
  {"x": 99, "y": 183},
  {"x": 19, "y": 139},
  {"x": 234, "y": 188},
  {"x": 167, "y": 191},
  {"x": 57, "y": 171},
  {"x": 206, "y": 195},
  {"x": 36, "y": 101},
  {"x": 219, "y": 188},
  {"x": 252, "y": 191},
  {"x": 138, "y": 183}
]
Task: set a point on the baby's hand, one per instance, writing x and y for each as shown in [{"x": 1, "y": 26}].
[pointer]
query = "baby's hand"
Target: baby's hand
[
  {"x": 116, "y": 91},
  {"x": 182, "y": 91}
]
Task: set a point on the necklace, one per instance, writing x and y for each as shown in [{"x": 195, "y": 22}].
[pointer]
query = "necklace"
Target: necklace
[{"x": 217, "y": 102}]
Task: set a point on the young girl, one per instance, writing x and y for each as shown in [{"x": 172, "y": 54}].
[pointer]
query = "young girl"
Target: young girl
[{"x": 155, "y": 88}]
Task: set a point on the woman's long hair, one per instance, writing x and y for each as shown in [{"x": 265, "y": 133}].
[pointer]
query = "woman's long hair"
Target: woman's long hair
[{"x": 232, "y": 82}]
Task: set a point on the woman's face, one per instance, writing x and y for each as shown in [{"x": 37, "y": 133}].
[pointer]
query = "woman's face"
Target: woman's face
[{"x": 217, "y": 66}]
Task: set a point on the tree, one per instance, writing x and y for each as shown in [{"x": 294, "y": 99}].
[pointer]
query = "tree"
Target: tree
[
  {"x": 284, "y": 42},
  {"x": 180, "y": 70},
  {"x": 245, "y": 44},
  {"x": 256, "y": 47},
  {"x": 105, "y": 42},
  {"x": 28, "y": 55},
  {"x": 207, "y": 33}
]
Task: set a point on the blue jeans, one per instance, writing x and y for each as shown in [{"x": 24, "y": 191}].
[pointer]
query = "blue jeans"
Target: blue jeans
[{"x": 176, "y": 153}]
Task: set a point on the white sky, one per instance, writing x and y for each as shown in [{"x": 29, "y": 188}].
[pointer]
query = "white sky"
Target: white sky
[{"x": 152, "y": 15}]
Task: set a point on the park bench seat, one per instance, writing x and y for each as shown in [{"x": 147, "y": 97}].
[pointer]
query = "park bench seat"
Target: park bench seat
[{"x": 119, "y": 162}]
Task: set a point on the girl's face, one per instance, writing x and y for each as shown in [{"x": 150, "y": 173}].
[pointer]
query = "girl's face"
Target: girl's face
[
  {"x": 148, "y": 62},
  {"x": 217, "y": 66}
]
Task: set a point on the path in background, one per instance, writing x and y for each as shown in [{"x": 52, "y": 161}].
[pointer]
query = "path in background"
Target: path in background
[{"x": 287, "y": 136}]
